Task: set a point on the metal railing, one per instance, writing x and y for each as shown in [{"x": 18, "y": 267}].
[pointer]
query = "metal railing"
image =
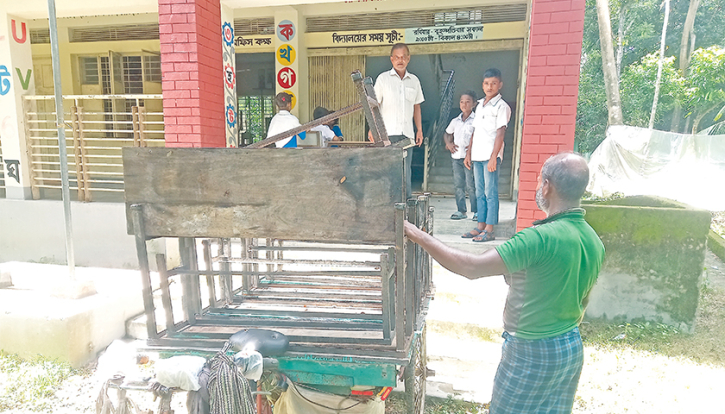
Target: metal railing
[
  {"x": 435, "y": 135},
  {"x": 97, "y": 128}
]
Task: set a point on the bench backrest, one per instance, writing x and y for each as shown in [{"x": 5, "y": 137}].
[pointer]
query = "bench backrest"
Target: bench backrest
[{"x": 325, "y": 194}]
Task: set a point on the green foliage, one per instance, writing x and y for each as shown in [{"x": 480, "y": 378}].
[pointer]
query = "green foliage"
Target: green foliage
[
  {"x": 395, "y": 404},
  {"x": 706, "y": 79},
  {"x": 639, "y": 78},
  {"x": 641, "y": 23},
  {"x": 28, "y": 383}
]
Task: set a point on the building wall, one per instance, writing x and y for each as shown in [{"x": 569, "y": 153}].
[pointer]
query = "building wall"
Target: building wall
[
  {"x": 34, "y": 231},
  {"x": 552, "y": 88}
]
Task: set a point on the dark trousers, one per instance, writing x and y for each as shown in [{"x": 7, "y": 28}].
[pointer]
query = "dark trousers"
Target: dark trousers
[{"x": 463, "y": 181}]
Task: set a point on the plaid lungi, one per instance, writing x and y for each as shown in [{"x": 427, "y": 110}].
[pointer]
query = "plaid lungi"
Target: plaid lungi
[{"x": 538, "y": 376}]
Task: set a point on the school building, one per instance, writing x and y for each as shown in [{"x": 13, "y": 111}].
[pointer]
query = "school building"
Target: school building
[{"x": 202, "y": 73}]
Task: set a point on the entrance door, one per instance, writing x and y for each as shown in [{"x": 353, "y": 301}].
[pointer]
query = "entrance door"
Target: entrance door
[{"x": 468, "y": 69}]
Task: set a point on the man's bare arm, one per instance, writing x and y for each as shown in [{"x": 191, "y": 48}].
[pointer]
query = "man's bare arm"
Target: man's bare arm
[
  {"x": 471, "y": 266},
  {"x": 417, "y": 119}
]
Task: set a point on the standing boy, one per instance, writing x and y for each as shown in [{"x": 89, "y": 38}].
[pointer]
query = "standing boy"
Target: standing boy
[
  {"x": 400, "y": 95},
  {"x": 486, "y": 152},
  {"x": 457, "y": 139}
]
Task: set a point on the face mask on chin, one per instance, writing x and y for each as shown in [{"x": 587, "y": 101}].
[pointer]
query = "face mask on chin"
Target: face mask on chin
[{"x": 541, "y": 202}]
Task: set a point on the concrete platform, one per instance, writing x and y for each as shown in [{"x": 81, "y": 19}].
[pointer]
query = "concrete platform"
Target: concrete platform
[
  {"x": 34, "y": 319},
  {"x": 465, "y": 318}
]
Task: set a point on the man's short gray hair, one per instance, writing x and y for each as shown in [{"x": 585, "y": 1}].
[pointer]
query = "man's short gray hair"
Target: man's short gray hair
[{"x": 568, "y": 173}]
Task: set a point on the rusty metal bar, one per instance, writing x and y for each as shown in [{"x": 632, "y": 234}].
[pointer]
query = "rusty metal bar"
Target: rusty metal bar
[
  {"x": 143, "y": 261},
  {"x": 165, "y": 294},
  {"x": 186, "y": 286},
  {"x": 410, "y": 269},
  {"x": 226, "y": 275},
  {"x": 371, "y": 108},
  {"x": 306, "y": 127},
  {"x": 400, "y": 275},
  {"x": 209, "y": 277},
  {"x": 384, "y": 261}
]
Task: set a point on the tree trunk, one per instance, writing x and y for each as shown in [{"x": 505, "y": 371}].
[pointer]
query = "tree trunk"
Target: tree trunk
[
  {"x": 698, "y": 118},
  {"x": 620, "y": 39},
  {"x": 611, "y": 82},
  {"x": 659, "y": 66},
  {"x": 685, "y": 50},
  {"x": 688, "y": 36}
]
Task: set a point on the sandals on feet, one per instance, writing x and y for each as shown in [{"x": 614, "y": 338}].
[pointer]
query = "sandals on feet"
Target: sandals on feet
[
  {"x": 484, "y": 237},
  {"x": 473, "y": 233}
]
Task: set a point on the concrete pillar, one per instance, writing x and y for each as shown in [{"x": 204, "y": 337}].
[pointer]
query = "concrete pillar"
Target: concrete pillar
[
  {"x": 193, "y": 75},
  {"x": 552, "y": 88},
  {"x": 16, "y": 80},
  {"x": 291, "y": 76},
  {"x": 231, "y": 110}
]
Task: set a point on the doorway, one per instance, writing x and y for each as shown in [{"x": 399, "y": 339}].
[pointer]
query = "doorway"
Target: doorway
[{"x": 468, "y": 74}]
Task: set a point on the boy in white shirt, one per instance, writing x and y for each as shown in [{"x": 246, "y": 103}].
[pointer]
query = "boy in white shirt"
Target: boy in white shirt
[
  {"x": 457, "y": 139},
  {"x": 486, "y": 152},
  {"x": 325, "y": 130},
  {"x": 284, "y": 121}
]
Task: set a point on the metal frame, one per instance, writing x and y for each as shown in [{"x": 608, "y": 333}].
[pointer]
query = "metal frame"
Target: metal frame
[{"x": 340, "y": 314}]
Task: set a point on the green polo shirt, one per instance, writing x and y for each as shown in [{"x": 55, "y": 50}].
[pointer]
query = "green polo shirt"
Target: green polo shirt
[{"x": 552, "y": 268}]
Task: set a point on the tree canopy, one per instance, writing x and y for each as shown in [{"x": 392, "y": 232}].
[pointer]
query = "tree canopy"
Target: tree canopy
[{"x": 636, "y": 28}]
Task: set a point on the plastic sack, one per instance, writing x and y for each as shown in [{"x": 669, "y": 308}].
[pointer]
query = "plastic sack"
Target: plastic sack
[
  {"x": 250, "y": 363},
  {"x": 180, "y": 372}
]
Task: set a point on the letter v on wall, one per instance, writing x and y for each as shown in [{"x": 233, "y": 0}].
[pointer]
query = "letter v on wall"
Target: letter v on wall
[
  {"x": 24, "y": 35},
  {"x": 26, "y": 81}
]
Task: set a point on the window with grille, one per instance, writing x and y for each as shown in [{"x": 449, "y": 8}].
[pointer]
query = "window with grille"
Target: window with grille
[
  {"x": 152, "y": 68},
  {"x": 132, "y": 75},
  {"x": 105, "y": 76},
  {"x": 255, "y": 113},
  {"x": 89, "y": 70}
]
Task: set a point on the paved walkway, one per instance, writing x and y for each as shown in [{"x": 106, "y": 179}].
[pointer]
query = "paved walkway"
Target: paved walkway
[{"x": 465, "y": 314}]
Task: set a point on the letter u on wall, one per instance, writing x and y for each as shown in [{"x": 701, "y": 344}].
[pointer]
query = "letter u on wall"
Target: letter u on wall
[{"x": 24, "y": 35}]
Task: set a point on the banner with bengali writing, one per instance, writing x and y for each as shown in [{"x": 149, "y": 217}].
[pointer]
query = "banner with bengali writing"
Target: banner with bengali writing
[{"x": 442, "y": 34}]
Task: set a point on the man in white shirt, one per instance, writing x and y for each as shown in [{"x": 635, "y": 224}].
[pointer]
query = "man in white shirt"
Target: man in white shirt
[
  {"x": 400, "y": 95},
  {"x": 486, "y": 152},
  {"x": 457, "y": 139},
  {"x": 284, "y": 121}
]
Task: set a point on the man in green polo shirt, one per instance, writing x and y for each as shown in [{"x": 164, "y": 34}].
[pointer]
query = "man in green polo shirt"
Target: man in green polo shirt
[{"x": 550, "y": 269}]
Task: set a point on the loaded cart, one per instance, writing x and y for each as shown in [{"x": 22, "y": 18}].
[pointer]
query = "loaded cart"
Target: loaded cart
[{"x": 308, "y": 243}]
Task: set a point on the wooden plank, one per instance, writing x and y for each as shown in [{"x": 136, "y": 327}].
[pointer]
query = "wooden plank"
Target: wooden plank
[{"x": 325, "y": 194}]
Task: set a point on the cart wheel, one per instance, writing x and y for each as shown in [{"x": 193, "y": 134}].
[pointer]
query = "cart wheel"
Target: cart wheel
[{"x": 415, "y": 377}]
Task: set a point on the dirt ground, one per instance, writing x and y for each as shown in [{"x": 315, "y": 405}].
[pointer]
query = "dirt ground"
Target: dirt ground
[{"x": 685, "y": 377}]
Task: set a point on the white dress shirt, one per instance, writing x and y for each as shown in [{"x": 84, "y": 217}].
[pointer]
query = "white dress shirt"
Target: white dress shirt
[
  {"x": 489, "y": 118},
  {"x": 283, "y": 121},
  {"x": 461, "y": 131},
  {"x": 397, "y": 98},
  {"x": 326, "y": 134}
]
